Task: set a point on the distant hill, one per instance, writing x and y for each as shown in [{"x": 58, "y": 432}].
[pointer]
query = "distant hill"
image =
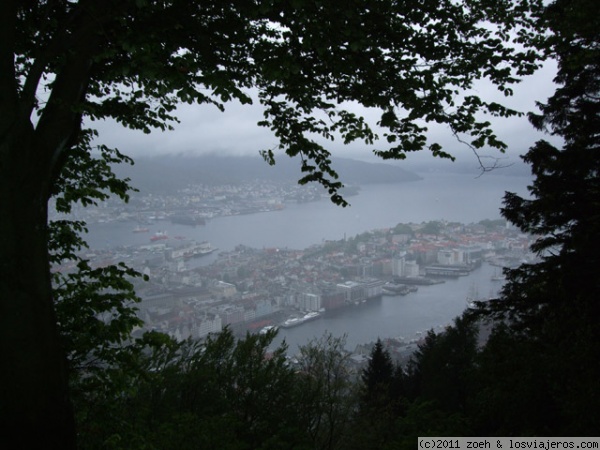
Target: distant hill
[{"x": 168, "y": 173}]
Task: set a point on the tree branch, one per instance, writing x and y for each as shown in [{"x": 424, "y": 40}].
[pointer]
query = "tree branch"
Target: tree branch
[
  {"x": 60, "y": 122},
  {"x": 482, "y": 166},
  {"x": 8, "y": 95}
]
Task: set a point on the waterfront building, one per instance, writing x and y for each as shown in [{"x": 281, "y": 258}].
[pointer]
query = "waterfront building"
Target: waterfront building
[
  {"x": 411, "y": 269},
  {"x": 398, "y": 263},
  {"x": 263, "y": 308},
  {"x": 230, "y": 314},
  {"x": 450, "y": 257},
  {"x": 249, "y": 315},
  {"x": 353, "y": 291},
  {"x": 471, "y": 254},
  {"x": 372, "y": 288},
  {"x": 333, "y": 300},
  {"x": 309, "y": 302}
]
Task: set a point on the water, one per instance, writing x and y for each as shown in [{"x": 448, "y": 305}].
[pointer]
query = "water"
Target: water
[
  {"x": 397, "y": 316},
  {"x": 459, "y": 198}
]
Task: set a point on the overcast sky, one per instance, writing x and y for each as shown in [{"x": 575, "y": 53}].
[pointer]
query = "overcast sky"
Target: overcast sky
[{"x": 204, "y": 129}]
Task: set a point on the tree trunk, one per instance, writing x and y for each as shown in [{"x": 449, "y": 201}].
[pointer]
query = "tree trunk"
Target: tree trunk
[{"x": 35, "y": 411}]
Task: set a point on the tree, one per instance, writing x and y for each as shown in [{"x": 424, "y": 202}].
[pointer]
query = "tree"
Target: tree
[
  {"x": 95, "y": 307},
  {"x": 512, "y": 387},
  {"x": 441, "y": 369},
  {"x": 378, "y": 375},
  {"x": 438, "y": 385},
  {"x": 403, "y": 228},
  {"x": 552, "y": 305},
  {"x": 64, "y": 63},
  {"x": 379, "y": 402},
  {"x": 223, "y": 393},
  {"x": 431, "y": 227},
  {"x": 326, "y": 399},
  {"x": 564, "y": 210}
]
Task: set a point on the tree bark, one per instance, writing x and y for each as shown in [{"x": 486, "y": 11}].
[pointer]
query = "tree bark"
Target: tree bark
[{"x": 35, "y": 411}]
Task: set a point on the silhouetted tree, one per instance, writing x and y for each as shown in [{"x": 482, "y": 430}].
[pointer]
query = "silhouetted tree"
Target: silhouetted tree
[
  {"x": 513, "y": 387},
  {"x": 379, "y": 402},
  {"x": 441, "y": 369},
  {"x": 378, "y": 375},
  {"x": 223, "y": 393},
  {"x": 552, "y": 306},
  {"x": 564, "y": 210}
]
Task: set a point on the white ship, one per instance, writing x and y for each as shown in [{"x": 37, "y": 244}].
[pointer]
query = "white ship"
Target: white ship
[{"x": 294, "y": 321}]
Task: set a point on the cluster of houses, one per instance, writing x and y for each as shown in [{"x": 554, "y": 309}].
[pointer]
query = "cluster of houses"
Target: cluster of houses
[{"x": 249, "y": 289}]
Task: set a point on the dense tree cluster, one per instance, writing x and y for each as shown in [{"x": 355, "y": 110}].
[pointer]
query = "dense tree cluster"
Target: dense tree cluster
[{"x": 551, "y": 307}]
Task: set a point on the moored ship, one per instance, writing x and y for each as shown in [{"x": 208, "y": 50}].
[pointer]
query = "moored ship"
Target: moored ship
[
  {"x": 140, "y": 229},
  {"x": 204, "y": 248},
  {"x": 159, "y": 236},
  {"x": 395, "y": 289},
  {"x": 294, "y": 321}
]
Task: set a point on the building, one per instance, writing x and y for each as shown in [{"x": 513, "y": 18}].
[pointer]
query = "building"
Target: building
[
  {"x": 225, "y": 289},
  {"x": 356, "y": 292},
  {"x": 309, "y": 302}
]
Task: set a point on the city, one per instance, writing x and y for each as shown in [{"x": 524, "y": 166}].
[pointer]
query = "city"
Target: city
[{"x": 250, "y": 289}]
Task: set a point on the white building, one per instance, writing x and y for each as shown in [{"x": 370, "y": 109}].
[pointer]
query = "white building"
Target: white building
[
  {"x": 411, "y": 269},
  {"x": 398, "y": 263},
  {"x": 309, "y": 302}
]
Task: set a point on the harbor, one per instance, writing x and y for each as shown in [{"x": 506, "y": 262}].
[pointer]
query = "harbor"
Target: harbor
[
  {"x": 408, "y": 317},
  {"x": 287, "y": 268}
]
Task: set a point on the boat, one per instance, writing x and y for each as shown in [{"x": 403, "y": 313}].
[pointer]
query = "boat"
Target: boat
[
  {"x": 395, "y": 289},
  {"x": 140, "y": 229},
  {"x": 291, "y": 322},
  {"x": 417, "y": 281},
  {"x": 474, "y": 299},
  {"x": 205, "y": 248},
  {"x": 159, "y": 236},
  {"x": 294, "y": 321},
  {"x": 202, "y": 249}
]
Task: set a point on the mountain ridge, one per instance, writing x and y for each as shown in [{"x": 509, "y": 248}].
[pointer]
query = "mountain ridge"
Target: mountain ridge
[{"x": 172, "y": 172}]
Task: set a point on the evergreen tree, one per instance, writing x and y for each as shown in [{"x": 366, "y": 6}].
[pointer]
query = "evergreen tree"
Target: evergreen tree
[
  {"x": 441, "y": 369},
  {"x": 553, "y": 305},
  {"x": 564, "y": 211},
  {"x": 379, "y": 402},
  {"x": 513, "y": 387},
  {"x": 377, "y": 377}
]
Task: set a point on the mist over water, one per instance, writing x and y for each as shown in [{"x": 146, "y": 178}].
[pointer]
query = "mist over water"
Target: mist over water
[{"x": 451, "y": 197}]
